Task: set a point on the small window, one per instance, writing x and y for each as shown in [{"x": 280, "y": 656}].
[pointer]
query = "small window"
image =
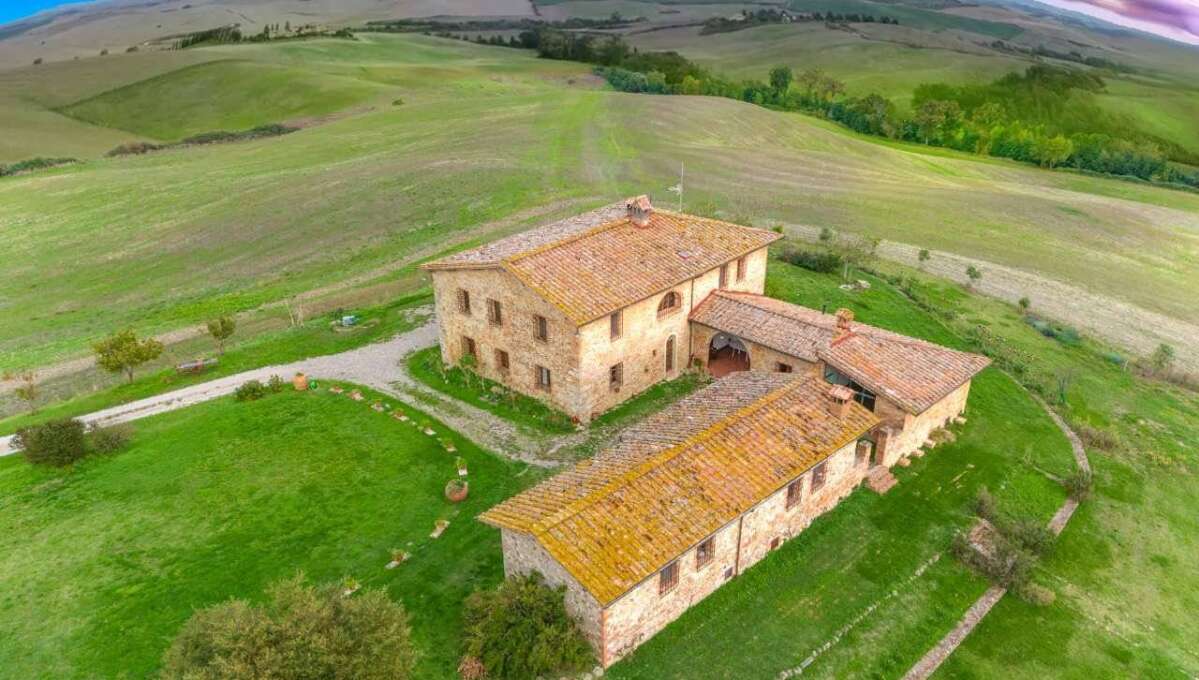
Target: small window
[
  {"x": 615, "y": 325},
  {"x": 724, "y": 275},
  {"x": 501, "y": 361},
  {"x": 818, "y": 476},
  {"x": 794, "y": 493},
  {"x": 464, "y": 301},
  {"x": 468, "y": 346},
  {"x": 670, "y": 303},
  {"x": 495, "y": 313},
  {"x": 780, "y": 367},
  {"x": 668, "y": 578},
  {"x": 670, "y": 354},
  {"x": 616, "y": 377},
  {"x": 741, "y": 268},
  {"x": 542, "y": 377},
  {"x": 541, "y": 328},
  {"x": 704, "y": 552}
]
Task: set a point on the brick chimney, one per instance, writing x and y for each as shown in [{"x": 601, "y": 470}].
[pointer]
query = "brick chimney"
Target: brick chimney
[
  {"x": 639, "y": 210},
  {"x": 841, "y": 397},
  {"x": 844, "y": 319}
]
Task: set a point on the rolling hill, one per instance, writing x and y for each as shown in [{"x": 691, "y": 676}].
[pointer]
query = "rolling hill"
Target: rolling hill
[{"x": 486, "y": 140}]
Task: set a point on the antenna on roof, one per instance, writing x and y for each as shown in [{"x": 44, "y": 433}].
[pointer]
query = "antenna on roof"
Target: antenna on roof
[{"x": 678, "y": 188}]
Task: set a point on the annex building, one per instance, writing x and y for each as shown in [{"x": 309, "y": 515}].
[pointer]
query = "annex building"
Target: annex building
[{"x": 589, "y": 311}]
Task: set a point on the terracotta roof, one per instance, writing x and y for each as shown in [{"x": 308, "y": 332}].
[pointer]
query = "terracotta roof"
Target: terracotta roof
[
  {"x": 492, "y": 254},
  {"x": 595, "y": 264},
  {"x": 912, "y": 373},
  {"x": 617, "y": 519}
]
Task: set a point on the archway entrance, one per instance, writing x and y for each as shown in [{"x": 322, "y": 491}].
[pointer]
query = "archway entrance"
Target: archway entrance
[{"x": 726, "y": 354}]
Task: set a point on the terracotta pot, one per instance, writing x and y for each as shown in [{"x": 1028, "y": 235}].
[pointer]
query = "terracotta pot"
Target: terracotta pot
[
  {"x": 300, "y": 382},
  {"x": 456, "y": 493}
]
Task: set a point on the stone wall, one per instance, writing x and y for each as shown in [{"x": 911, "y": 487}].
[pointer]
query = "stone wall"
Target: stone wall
[
  {"x": 514, "y": 334},
  {"x": 523, "y": 554},
  {"x": 640, "y": 613},
  {"x": 917, "y": 428}
]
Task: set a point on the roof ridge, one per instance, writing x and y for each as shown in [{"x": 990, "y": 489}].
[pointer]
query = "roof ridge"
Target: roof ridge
[{"x": 664, "y": 456}]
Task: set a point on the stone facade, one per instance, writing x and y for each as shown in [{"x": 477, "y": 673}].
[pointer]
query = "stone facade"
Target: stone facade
[
  {"x": 579, "y": 358},
  {"x": 639, "y": 614},
  {"x": 909, "y": 432}
]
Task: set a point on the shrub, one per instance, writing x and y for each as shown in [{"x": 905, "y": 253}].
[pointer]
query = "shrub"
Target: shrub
[
  {"x": 817, "y": 261},
  {"x": 1079, "y": 484},
  {"x": 58, "y": 442},
  {"x": 275, "y": 384},
  {"x": 1029, "y": 534},
  {"x": 984, "y": 505},
  {"x": 250, "y": 390},
  {"x": 134, "y": 149},
  {"x": 522, "y": 630},
  {"x": 1037, "y": 595},
  {"x": 301, "y": 632},
  {"x": 109, "y": 439},
  {"x": 1097, "y": 438},
  {"x": 32, "y": 164}
]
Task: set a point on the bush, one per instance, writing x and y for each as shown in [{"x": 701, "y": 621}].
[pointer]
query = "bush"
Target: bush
[
  {"x": 1078, "y": 484},
  {"x": 522, "y": 630},
  {"x": 110, "y": 439},
  {"x": 250, "y": 390},
  {"x": 275, "y": 384},
  {"x": 32, "y": 164},
  {"x": 818, "y": 261},
  {"x": 1097, "y": 438},
  {"x": 58, "y": 442},
  {"x": 134, "y": 149},
  {"x": 302, "y": 632}
]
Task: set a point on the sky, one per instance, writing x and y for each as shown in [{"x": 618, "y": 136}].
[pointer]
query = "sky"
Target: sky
[
  {"x": 11, "y": 10},
  {"x": 1177, "y": 19}
]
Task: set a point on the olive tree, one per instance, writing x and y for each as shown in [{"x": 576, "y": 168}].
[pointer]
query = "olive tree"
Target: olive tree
[{"x": 123, "y": 351}]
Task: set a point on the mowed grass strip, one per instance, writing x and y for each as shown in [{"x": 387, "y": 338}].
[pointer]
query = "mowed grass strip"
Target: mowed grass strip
[{"x": 103, "y": 563}]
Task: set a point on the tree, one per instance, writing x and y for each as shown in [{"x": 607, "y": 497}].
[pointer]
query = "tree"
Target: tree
[
  {"x": 923, "y": 256},
  {"x": 857, "y": 251},
  {"x": 301, "y": 633},
  {"x": 1024, "y": 303},
  {"x": 1053, "y": 151},
  {"x": 826, "y": 234},
  {"x": 780, "y": 80},
  {"x": 1162, "y": 358},
  {"x": 221, "y": 329},
  {"x": 123, "y": 352},
  {"x": 973, "y": 274},
  {"x": 522, "y": 630}
]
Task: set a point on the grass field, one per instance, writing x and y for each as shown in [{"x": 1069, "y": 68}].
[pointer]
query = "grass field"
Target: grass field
[
  {"x": 103, "y": 563},
  {"x": 490, "y": 140}
]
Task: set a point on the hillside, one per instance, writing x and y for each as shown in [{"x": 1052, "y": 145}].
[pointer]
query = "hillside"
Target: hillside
[{"x": 489, "y": 140}]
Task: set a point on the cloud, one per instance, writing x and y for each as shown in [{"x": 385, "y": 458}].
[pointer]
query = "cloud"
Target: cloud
[{"x": 1176, "y": 19}]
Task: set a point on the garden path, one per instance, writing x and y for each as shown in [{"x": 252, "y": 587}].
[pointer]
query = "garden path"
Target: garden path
[{"x": 379, "y": 366}]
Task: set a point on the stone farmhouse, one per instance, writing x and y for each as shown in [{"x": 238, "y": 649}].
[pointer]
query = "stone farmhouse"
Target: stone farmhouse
[{"x": 588, "y": 312}]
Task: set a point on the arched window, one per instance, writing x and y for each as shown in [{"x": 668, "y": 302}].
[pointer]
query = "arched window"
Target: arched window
[
  {"x": 671, "y": 302},
  {"x": 670, "y": 354}
]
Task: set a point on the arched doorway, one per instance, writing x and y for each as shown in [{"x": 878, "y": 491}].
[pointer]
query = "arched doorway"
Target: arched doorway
[{"x": 726, "y": 354}]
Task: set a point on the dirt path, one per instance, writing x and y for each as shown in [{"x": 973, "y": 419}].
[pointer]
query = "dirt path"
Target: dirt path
[
  {"x": 1136, "y": 329},
  {"x": 379, "y": 366},
  {"x": 931, "y": 661}
]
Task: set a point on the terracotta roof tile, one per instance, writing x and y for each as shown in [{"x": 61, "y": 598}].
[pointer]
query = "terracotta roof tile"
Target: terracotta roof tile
[
  {"x": 616, "y": 519},
  {"x": 912, "y": 373}
]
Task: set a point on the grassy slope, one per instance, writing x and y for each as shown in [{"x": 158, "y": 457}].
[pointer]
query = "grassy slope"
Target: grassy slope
[
  {"x": 486, "y": 134},
  {"x": 102, "y": 564},
  {"x": 220, "y": 95}
]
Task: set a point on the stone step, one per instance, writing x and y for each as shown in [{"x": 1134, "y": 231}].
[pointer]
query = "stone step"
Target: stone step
[{"x": 880, "y": 480}]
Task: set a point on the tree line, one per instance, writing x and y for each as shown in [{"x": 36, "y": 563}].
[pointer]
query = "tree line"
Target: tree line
[
  {"x": 750, "y": 18},
  {"x": 1047, "y": 115}
]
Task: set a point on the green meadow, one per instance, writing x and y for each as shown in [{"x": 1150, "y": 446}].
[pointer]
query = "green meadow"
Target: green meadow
[{"x": 446, "y": 144}]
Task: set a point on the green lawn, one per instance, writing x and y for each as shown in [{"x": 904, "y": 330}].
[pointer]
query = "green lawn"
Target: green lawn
[
  {"x": 849, "y": 562},
  {"x": 103, "y": 563},
  {"x": 487, "y": 141}
]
